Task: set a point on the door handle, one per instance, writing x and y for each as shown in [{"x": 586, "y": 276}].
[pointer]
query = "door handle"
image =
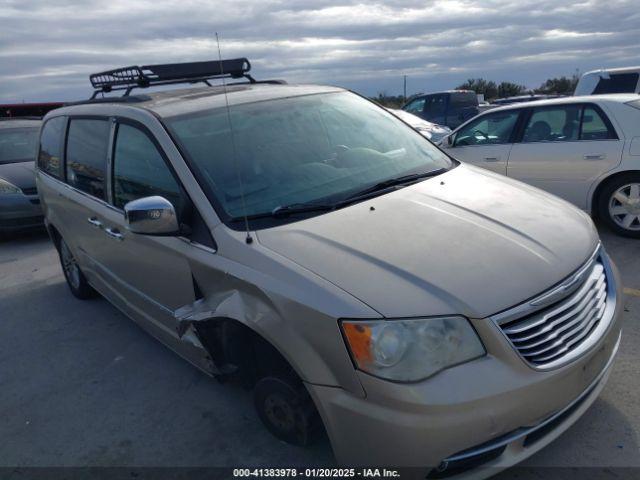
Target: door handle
[
  {"x": 594, "y": 157},
  {"x": 491, "y": 159},
  {"x": 114, "y": 233},
  {"x": 95, "y": 222}
]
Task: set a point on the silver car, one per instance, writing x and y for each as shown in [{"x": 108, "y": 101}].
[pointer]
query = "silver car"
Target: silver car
[
  {"x": 306, "y": 243},
  {"x": 583, "y": 149}
]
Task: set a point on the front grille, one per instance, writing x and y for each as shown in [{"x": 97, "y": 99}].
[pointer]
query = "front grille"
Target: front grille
[{"x": 552, "y": 333}]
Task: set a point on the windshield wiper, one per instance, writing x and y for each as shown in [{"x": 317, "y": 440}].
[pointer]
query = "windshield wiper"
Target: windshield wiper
[
  {"x": 393, "y": 182},
  {"x": 286, "y": 210},
  {"x": 283, "y": 211}
]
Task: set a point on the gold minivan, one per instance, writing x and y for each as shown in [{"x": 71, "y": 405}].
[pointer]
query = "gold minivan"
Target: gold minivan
[{"x": 309, "y": 244}]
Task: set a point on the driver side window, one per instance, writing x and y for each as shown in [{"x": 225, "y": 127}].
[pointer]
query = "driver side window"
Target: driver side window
[
  {"x": 139, "y": 170},
  {"x": 415, "y": 107},
  {"x": 491, "y": 129}
]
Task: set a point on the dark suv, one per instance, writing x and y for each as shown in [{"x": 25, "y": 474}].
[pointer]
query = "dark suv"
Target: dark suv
[
  {"x": 19, "y": 203},
  {"x": 451, "y": 108}
]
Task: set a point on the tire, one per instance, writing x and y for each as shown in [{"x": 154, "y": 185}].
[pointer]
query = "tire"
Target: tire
[
  {"x": 619, "y": 205},
  {"x": 76, "y": 280},
  {"x": 287, "y": 410}
]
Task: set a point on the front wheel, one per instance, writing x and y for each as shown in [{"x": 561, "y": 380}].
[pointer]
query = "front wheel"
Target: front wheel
[
  {"x": 619, "y": 205},
  {"x": 75, "y": 278},
  {"x": 287, "y": 410}
]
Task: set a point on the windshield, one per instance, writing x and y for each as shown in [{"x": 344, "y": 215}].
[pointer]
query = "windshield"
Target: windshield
[
  {"x": 298, "y": 150},
  {"x": 18, "y": 144}
]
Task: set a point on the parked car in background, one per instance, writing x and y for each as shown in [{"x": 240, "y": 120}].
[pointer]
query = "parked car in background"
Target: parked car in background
[
  {"x": 427, "y": 313},
  {"x": 433, "y": 132},
  {"x": 19, "y": 202},
  {"x": 450, "y": 108},
  {"x": 611, "y": 80},
  {"x": 583, "y": 149}
]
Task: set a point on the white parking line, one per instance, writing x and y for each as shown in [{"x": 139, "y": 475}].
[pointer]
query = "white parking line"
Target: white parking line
[{"x": 632, "y": 291}]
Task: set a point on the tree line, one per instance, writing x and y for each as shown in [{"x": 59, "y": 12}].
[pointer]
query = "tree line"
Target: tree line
[{"x": 493, "y": 90}]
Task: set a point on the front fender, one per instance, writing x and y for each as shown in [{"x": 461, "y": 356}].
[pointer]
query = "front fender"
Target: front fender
[{"x": 289, "y": 313}]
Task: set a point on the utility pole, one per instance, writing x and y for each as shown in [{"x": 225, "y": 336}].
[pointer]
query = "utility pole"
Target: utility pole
[{"x": 405, "y": 88}]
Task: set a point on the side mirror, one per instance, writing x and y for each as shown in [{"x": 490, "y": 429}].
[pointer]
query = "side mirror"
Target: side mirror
[
  {"x": 151, "y": 216},
  {"x": 450, "y": 140}
]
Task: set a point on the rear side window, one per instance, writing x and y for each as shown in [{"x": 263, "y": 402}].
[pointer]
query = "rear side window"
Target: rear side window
[
  {"x": 436, "y": 105},
  {"x": 463, "y": 100},
  {"x": 49, "y": 158},
  {"x": 139, "y": 170},
  {"x": 553, "y": 124},
  {"x": 87, "y": 145},
  {"x": 594, "y": 127}
]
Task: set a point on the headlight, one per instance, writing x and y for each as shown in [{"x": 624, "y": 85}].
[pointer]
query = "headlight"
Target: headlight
[
  {"x": 6, "y": 187},
  {"x": 411, "y": 350}
]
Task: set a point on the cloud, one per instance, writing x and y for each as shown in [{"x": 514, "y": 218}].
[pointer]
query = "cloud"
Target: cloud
[{"x": 48, "y": 49}]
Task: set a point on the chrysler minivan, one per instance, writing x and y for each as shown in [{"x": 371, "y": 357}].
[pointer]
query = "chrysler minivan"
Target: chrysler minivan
[{"x": 310, "y": 245}]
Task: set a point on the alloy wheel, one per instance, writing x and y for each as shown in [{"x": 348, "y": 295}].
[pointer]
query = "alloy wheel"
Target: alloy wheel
[
  {"x": 70, "y": 266},
  {"x": 624, "y": 207}
]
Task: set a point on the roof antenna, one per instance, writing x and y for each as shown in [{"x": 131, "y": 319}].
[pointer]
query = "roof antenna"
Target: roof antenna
[{"x": 248, "y": 239}]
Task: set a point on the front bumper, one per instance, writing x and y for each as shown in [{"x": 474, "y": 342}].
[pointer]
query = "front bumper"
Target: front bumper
[
  {"x": 492, "y": 412},
  {"x": 20, "y": 212},
  {"x": 514, "y": 447}
]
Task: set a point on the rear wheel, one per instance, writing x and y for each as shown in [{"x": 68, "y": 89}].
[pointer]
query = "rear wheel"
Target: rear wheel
[
  {"x": 619, "y": 205},
  {"x": 72, "y": 273},
  {"x": 287, "y": 410}
]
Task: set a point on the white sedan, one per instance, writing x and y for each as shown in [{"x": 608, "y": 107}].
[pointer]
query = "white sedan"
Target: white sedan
[
  {"x": 432, "y": 131},
  {"x": 583, "y": 149}
]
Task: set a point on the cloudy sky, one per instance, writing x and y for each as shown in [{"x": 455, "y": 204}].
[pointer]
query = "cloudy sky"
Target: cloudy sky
[{"x": 48, "y": 48}]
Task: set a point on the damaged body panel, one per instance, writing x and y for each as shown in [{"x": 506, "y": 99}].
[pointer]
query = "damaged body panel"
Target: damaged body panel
[{"x": 288, "y": 308}]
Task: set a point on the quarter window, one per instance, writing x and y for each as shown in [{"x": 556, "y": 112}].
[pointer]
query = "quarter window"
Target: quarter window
[
  {"x": 87, "y": 146},
  {"x": 139, "y": 170},
  {"x": 49, "y": 157},
  {"x": 492, "y": 129},
  {"x": 594, "y": 127},
  {"x": 553, "y": 124}
]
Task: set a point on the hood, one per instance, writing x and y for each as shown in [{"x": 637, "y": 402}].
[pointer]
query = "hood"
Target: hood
[
  {"x": 21, "y": 174},
  {"x": 466, "y": 242}
]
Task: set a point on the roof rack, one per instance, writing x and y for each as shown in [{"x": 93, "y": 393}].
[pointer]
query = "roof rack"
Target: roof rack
[{"x": 128, "y": 78}]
